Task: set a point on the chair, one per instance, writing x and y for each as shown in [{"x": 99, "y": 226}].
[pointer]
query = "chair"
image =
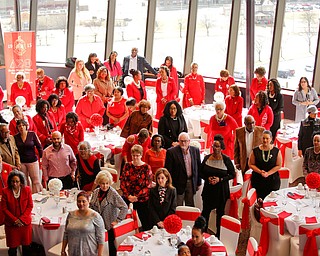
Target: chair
[
  {"x": 298, "y": 244},
  {"x": 245, "y": 188},
  {"x": 229, "y": 234},
  {"x": 188, "y": 214},
  {"x": 256, "y": 226},
  {"x": 271, "y": 241},
  {"x": 114, "y": 174},
  {"x": 294, "y": 164},
  {"x": 232, "y": 204},
  {"x": 122, "y": 230},
  {"x": 284, "y": 174},
  {"x": 252, "y": 248}
]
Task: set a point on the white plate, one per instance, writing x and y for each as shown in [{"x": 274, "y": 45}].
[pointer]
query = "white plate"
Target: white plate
[
  {"x": 296, "y": 220},
  {"x": 274, "y": 196}
]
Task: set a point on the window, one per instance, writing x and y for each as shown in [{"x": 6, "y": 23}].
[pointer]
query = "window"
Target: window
[
  {"x": 25, "y": 14},
  {"x": 51, "y": 30},
  {"x": 8, "y": 16},
  {"x": 90, "y": 31},
  {"x": 212, "y": 31}
]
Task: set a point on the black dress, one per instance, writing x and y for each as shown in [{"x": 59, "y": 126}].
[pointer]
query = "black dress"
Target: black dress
[
  {"x": 263, "y": 185},
  {"x": 276, "y": 104}
]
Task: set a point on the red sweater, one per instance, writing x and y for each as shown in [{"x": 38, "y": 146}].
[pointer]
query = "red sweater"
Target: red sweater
[
  {"x": 234, "y": 107},
  {"x": 257, "y": 86},
  {"x": 223, "y": 86},
  {"x": 265, "y": 119},
  {"x": 72, "y": 136}
]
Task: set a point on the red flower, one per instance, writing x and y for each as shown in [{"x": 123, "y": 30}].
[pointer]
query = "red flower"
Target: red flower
[
  {"x": 96, "y": 120},
  {"x": 313, "y": 180},
  {"x": 172, "y": 224}
]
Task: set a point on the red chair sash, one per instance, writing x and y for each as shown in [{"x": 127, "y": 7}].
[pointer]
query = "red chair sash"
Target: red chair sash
[
  {"x": 245, "y": 213},
  {"x": 134, "y": 216},
  {"x": 235, "y": 227},
  {"x": 282, "y": 147},
  {"x": 264, "y": 238},
  {"x": 234, "y": 204},
  {"x": 219, "y": 248},
  {"x": 188, "y": 215},
  {"x": 310, "y": 248},
  {"x": 282, "y": 216},
  {"x": 124, "y": 229},
  {"x": 106, "y": 237},
  {"x": 284, "y": 174},
  {"x": 252, "y": 252}
]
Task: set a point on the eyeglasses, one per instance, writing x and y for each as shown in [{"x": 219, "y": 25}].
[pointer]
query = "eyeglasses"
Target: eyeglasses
[
  {"x": 15, "y": 181},
  {"x": 184, "y": 141},
  {"x": 173, "y": 108},
  {"x": 219, "y": 109},
  {"x": 83, "y": 149}
]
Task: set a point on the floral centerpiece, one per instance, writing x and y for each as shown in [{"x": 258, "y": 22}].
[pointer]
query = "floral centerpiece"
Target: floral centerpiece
[
  {"x": 96, "y": 121},
  {"x": 172, "y": 224},
  {"x": 55, "y": 185},
  {"x": 313, "y": 180}
]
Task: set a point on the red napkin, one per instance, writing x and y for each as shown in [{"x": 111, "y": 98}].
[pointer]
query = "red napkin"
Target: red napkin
[
  {"x": 282, "y": 216},
  {"x": 295, "y": 196},
  {"x": 127, "y": 248},
  {"x": 139, "y": 235},
  {"x": 219, "y": 248},
  {"x": 206, "y": 235},
  {"x": 268, "y": 204},
  {"x": 311, "y": 220},
  {"x": 51, "y": 226}
]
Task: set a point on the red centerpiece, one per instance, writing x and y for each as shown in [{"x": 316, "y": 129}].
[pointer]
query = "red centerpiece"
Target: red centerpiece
[
  {"x": 172, "y": 224},
  {"x": 313, "y": 180},
  {"x": 96, "y": 120}
]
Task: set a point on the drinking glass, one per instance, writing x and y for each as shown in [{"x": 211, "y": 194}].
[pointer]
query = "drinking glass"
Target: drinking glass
[
  {"x": 284, "y": 203},
  {"x": 174, "y": 241},
  {"x": 298, "y": 209},
  {"x": 39, "y": 210}
]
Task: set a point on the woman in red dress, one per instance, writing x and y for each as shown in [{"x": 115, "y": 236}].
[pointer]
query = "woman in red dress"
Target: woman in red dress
[
  {"x": 137, "y": 88},
  {"x": 224, "y": 82},
  {"x": 194, "y": 89},
  {"x": 117, "y": 110},
  {"x": 234, "y": 104},
  {"x": 165, "y": 89},
  {"x": 259, "y": 83},
  {"x": 156, "y": 155},
  {"x": 64, "y": 93},
  {"x": 45, "y": 123},
  {"x": 261, "y": 111},
  {"x": 21, "y": 88},
  {"x": 223, "y": 124},
  {"x": 17, "y": 205},
  {"x": 18, "y": 114},
  {"x": 57, "y": 109},
  {"x": 72, "y": 131},
  {"x": 168, "y": 62}
]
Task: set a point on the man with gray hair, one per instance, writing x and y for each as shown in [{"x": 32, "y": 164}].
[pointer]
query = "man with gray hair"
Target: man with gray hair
[
  {"x": 58, "y": 161},
  {"x": 10, "y": 154},
  {"x": 183, "y": 162}
]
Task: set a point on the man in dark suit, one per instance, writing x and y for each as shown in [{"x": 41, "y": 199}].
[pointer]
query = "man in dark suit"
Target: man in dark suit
[
  {"x": 247, "y": 138},
  {"x": 134, "y": 61},
  {"x": 183, "y": 162}
]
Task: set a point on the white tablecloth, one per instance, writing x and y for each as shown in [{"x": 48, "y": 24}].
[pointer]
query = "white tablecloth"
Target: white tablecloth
[
  {"x": 305, "y": 204},
  {"x": 8, "y": 115},
  {"x": 40, "y": 235},
  {"x": 157, "y": 249}
]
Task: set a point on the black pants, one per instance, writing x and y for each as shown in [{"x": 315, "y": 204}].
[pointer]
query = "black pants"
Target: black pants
[
  {"x": 67, "y": 181},
  {"x": 25, "y": 251},
  {"x": 143, "y": 212},
  {"x": 219, "y": 213},
  {"x": 112, "y": 247}
]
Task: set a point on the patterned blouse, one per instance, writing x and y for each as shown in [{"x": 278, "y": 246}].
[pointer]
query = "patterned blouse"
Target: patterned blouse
[
  {"x": 311, "y": 161},
  {"x": 136, "y": 180}
]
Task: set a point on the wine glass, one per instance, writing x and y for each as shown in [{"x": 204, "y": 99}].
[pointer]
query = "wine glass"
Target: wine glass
[
  {"x": 284, "y": 203},
  {"x": 174, "y": 241},
  {"x": 56, "y": 198},
  {"x": 39, "y": 210},
  {"x": 298, "y": 209}
]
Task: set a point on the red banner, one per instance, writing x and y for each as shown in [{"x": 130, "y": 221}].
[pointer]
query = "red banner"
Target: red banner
[{"x": 20, "y": 56}]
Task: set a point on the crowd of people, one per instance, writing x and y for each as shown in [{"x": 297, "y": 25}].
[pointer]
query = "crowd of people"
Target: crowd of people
[{"x": 159, "y": 171}]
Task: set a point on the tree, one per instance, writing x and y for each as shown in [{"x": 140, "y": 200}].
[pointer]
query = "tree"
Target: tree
[
  {"x": 259, "y": 47},
  {"x": 309, "y": 19},
  {"x": 207, "y": 23}
]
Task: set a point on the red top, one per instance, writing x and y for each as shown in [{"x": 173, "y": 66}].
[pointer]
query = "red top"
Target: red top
[
  {"x": 25, "y": 91},
  {"x": 1, "y": 98},
  {"x": 133, "y": 91},
  {"x": 155, "y": 159},
  {"x": 117, "y": 109},
  {"x": 28, "y": 119},
  {"x": 126, "y": 149},
  {"x": 72, "y": 135},
  {"x": 234, "y": 107},
  {"x": 67, "y": 99},
  {"x": 265, "y": 119},
  {"x": 223, "y": 86},
  {"x": 174, "y": 75},
  {"x": 203, "y": 250},
  {"x": 59, "y": 115},
  {"x": 193, "y": 88},
  {"x": 257, "y": 86},
  {"x": 85, "y": 109},
  {"x": 46, "y": 89},
  {"x": 171, "y": 90},
  {"x": 6, "y": 169},
  {"x": 116, "y": 69},
  {"x": 43, "y": 131},
  {"x": 226, "y": 128}
]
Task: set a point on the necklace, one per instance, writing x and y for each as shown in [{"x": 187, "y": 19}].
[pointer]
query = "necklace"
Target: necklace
[
  {"x": 263, "y": 155},
  {"x": 16, "y": 195},
  {"x": 220, "y": 119},
  {"x": 316, "y": 151}
]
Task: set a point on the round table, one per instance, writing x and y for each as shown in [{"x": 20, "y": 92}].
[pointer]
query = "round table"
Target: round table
[{"x": 304, "y": 208}]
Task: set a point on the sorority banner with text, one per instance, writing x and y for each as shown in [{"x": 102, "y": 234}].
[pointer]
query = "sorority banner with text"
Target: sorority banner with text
[{"x": 20, "y": 56}]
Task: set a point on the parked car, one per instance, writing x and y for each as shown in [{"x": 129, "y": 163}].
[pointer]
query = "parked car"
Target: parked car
[
  {"x": 308, "y": 68},
  {"x": 284, "y": 73},
  {"x": 239, "y": 75}
]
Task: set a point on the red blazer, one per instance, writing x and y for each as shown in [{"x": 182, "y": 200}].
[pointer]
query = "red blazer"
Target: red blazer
[
  {"x": 265, "y": 119},
  {"x": 257, "y": 86},
  {"x": 171, "y": 89},
  {"x": 223, "y": 86},
  {"x": 13, "y": 125},
  {"x": 67, "y": 99},
  {"x": 234, "y": 107},
  {"x": 133, "y": 91},
  {"x": 17, "y": 209},
  {"x": 25, "y": 92},
  {"x": 42, "y": 131},
  {"x": 47, "y": 88}
]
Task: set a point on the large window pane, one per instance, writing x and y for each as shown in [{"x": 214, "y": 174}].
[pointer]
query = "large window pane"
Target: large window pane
[
  {"x": 212, "y": 31},
  {"x": 90, "y": 32},
  {"x": 130, "y": 27},
  {"x": 299, "y": 42},
  {"x": 25, "y": 14},
  {"x": 7, "y": 14},
  {"x": 51, "y": 30},
  {"x": 170, "y": 32}
]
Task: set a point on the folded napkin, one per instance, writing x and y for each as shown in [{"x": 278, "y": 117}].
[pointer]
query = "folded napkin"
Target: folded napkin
[
  {"x": 139, "y": 235},
  {"x": 282, "y": 216},
  {"x": 311, "y": 220},
  {"x": 123, "y": 248},
  {"x": 294, "y": 196},
  {"x": 51, "y": 226},
  {"x": 219, "y": 248},
  {"x": 268, "y": 204}
]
